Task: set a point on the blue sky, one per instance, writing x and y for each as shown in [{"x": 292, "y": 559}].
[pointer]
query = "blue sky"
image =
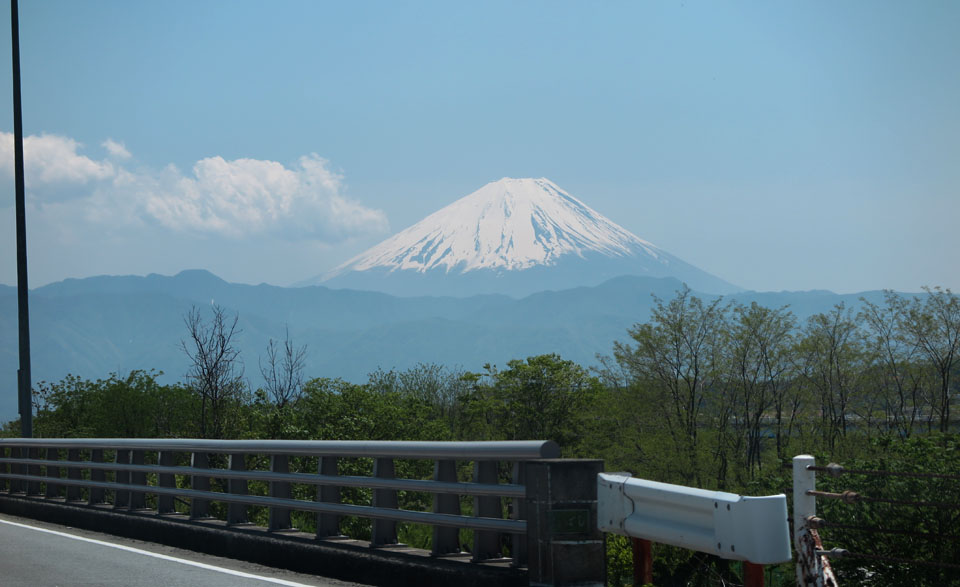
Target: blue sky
[{"x": 791, "y": 145}]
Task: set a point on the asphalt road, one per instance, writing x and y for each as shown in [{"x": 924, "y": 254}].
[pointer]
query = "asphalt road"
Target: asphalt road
[{"x": 38, "y": 554}]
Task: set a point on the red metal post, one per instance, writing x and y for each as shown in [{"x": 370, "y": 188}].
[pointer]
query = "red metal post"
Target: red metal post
[
  {"x": 752, "y": 575},
  {"x": 643, "y": 562}
]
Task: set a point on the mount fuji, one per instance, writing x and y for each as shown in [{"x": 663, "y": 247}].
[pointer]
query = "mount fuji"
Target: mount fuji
[{"x": 514, "y": 237}]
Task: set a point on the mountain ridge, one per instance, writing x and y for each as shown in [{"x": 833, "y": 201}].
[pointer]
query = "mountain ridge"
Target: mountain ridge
[{"x": 116, "y": 324}]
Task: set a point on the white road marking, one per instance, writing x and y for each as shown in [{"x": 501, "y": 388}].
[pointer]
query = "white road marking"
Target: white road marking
[{"x": 174, "y": 559}]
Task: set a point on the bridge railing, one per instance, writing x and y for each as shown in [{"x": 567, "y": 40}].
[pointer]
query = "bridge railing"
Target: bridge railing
[{"x": 59, "y": 468}]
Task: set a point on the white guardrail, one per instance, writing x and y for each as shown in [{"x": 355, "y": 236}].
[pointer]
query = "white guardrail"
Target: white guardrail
[{"x": 731, "y": 526}]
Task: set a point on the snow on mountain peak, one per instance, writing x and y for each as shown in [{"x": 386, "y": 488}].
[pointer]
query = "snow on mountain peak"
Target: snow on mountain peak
[{"x": 510, "y": 224}]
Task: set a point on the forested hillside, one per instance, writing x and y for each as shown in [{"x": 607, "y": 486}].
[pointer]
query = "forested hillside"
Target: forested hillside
[{"x": 94, "y": 326}]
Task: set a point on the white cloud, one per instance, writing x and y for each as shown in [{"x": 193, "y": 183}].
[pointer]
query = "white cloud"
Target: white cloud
[
  {"x": 251, "y": 196},
  {"x": 52, "y": 160},
  {"x": 236, "y": 199},
  {"x": 115, "y": 149}
]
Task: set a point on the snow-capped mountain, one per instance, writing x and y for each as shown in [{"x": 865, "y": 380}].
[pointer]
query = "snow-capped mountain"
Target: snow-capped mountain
[{"x": 512, "y": 236}]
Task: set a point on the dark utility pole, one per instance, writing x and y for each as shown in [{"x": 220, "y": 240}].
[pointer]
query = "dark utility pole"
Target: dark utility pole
[{"x": 23, "y": 374}]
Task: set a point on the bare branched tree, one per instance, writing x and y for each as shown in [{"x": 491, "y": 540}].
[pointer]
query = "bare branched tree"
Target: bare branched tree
[
  {"x": 283, "y": 371},
  {"x": 215, "y": 373}
]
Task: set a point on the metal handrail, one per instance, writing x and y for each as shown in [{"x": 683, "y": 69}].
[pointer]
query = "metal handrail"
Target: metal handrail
[
  {"x": 501, "y": 489},
  {"x": 507, "y": 450},
  {"x": 22, "y": 465},
  {"x": 434, "y": 519}
]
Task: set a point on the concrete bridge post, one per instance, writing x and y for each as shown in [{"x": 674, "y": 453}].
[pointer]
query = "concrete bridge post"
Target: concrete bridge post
[{"x": 565, "y": 546}]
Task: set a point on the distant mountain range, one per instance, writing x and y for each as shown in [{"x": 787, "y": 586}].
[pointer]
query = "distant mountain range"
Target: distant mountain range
[
  {"x": 552, "y": 274},
  {"x": 91, "y": 327},
  {"x": 515, "y": 237}
]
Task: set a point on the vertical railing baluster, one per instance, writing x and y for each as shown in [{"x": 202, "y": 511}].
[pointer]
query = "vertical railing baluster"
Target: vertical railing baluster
[
  {"x": 121, "y": 498},
  {"x": 237, "y": 512},
  {"x": 53, "y": 472},
  {"x": 138, "y": 499},
  {"x": 200, "y": 508},
  {"x": 486, "y": 543},
  {"x": 165, "y": 502},
  {"x": 17, "y": 486},
  {"x": 279, "y": 517},
  {"x": 4, "y": 468},
  {"x": 518, "y": 545},
  {"x": 97, "y": 475},
  {"x": 8, "y": 484},
  {"x": 384, "y": 531},
  {"x": 446, "y": 540},
  {"x": 73, "y": 473},
  {"x": 328, "y": 524},
  {"x": 33, "y": 487}
]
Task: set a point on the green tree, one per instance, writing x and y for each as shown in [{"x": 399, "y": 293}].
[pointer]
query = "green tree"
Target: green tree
[
  {"x": 759, "y": 347},
  {"x": 934, "y": 323},
  {"x": 832, "y": 361},
  {"x": 677, "y": 355},
  {"x": 542, "y": 397},
  {"x": 116, "y": 407},
  {"x": 437, "y": 388},
  {"x": 898, "y": 377},
  {"x": 923, "y": 533},
  {"x": 333, "y": 409}
]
